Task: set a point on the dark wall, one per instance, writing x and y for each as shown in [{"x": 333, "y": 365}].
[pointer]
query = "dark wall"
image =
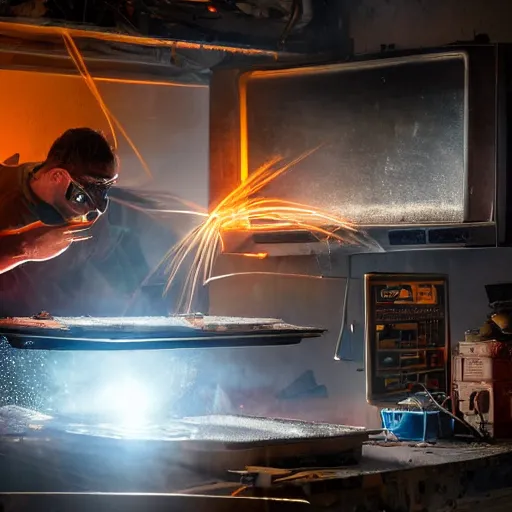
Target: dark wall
[{"x": 423, "y": 23}]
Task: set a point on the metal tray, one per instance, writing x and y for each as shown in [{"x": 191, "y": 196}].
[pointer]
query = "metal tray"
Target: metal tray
[
  {"x": 80, "y": 501},
  {"x": 209, "y": 444},
  {"x": 147, "y": 333}
]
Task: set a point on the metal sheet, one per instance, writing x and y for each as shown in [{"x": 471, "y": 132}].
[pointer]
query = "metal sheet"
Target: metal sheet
[
  {"x": 226, "y": 431},
  {"x": 146, "y": 333},
  {"x": 57, "y": 502},
  {"x": 213, "y": 444}
]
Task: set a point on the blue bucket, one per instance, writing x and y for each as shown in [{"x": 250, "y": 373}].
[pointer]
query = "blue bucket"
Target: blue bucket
[{"x": 412, "y": 425}]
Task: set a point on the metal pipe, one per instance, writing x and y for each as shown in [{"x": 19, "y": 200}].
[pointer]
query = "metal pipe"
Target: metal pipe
[{"x": 344, "y": 314}]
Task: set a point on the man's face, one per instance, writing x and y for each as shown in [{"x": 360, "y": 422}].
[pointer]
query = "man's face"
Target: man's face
[{"x": 80, "y": 199}]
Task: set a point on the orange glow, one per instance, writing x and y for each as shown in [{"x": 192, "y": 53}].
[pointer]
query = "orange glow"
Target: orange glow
[
  {"x": 34, "y": 124},
  {"x": 146, "y": 82},
  {"x": 244, "y": 150},
  {"x": 239, "y": 211},
  {"x": 257, "y": 255},
  {"x": 14, "y": 29},
  {"x": 51, "y": 86},
  {"x": 23, "y": 229},
  {"x": 40, "y": 110},
  {"x": 212, "y": 9},
  {"x": 38, "y": 224},
  {"x": 78, "y": 61}
]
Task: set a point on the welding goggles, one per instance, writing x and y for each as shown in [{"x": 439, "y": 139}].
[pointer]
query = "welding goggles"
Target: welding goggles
[{"x": 93, "y": 194}]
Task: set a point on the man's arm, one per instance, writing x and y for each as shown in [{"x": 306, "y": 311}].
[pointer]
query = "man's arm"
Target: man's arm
[
  {"x": 11, "y": 252},
  {"x": 13, "y": 247},
  {"x": 37, "y": 242}
]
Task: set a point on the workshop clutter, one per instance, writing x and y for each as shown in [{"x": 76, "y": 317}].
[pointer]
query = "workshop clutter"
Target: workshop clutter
[{"x": 482, "y": 369}]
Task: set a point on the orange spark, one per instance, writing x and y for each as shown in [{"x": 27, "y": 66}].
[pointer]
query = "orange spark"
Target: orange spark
[
  {"x": 113, "y": 122},
  {"x": 241, "y": 211},
  {"x": 80, "y": 65},
  {"x": 271, "y": 274}
]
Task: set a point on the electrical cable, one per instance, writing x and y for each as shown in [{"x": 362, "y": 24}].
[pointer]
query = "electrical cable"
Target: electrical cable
[{"x": 446, "y": 411}]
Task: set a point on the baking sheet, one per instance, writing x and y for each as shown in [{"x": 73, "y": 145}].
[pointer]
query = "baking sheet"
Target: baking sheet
[
  {"x": 221, "y": 431},
  {"x": 129, "y": 502},
  {"x": 228, "y": 431},
  {"x": 212, "y": 444},
  {"x": 145, "y": 333}
]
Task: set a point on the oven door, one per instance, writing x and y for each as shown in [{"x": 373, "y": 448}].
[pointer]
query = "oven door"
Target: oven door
[{"x": 403, "y": 147}]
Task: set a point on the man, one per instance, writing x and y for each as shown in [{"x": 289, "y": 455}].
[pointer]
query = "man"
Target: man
[{"x": 46, "y": 207}]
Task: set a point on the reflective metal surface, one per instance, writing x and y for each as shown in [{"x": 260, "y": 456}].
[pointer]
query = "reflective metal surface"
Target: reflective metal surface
[
  {"x": 148, "y": 333},
  {"x": 57, "y": 502},
  {"x": 225, "y": 430},
  {"x": 110, "y": 450},
  {"x": 391, "y": 136}
]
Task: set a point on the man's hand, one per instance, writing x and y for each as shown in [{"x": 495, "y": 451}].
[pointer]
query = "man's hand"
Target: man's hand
[
  {"x": 38, "y": 242},
  {"x": 41, "y": 242}
]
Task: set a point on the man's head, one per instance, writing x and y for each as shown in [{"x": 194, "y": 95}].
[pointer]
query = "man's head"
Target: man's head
[{"x": 77, "y": 174}]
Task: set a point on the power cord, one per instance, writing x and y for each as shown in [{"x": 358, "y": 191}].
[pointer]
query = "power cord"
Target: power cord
[{"x": 470, "y": 427}]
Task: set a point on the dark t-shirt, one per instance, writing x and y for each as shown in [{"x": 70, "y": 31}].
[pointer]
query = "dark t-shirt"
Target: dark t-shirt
[{"x": 17, "y": 203}]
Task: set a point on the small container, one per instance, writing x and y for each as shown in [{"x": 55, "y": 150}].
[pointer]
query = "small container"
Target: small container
[
  {"x": 446, "y": 426},
  {"x": 412, "y": 425},
  {"x": 472, "y": 335},
  {"x": 476, "y": 348}
]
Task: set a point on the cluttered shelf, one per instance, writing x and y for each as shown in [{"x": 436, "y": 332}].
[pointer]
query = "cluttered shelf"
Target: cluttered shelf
[
  {"x": 403, "y": 371},
  {"x": 477, "y": 403},
  {"x": 406, "y": 338}
]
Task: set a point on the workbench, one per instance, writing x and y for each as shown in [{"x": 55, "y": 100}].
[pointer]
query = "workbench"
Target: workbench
[
  {"x": 400, "y": 477},
  {"x": 389, "y": 476}
]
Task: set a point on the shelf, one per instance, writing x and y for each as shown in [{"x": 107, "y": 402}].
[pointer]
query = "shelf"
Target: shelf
[
  {"x": 408, "y": 319},
  {"x": 410, "y": 349},
  {"x": 402, "y": 368},
  {"x": 406, "y": 343},
  {"x": 389, "y": 373}
]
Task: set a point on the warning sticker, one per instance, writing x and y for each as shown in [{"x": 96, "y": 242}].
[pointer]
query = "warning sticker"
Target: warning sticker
[{"x": 473, "y": 368}]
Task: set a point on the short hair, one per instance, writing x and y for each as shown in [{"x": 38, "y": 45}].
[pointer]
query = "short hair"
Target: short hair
[{"x": 83, "y": 152}]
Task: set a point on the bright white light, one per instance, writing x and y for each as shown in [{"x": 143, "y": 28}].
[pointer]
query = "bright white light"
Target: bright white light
[{"x": 127, "y": 402}]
